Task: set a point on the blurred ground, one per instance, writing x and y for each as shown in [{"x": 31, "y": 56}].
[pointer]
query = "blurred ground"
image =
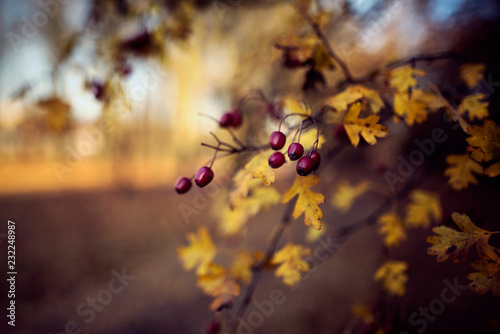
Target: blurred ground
[{"x": 67, "y": 244}]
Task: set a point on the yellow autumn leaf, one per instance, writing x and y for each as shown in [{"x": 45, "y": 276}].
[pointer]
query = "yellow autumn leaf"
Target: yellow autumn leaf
[
  {"x": 472, "y": 74},
  {"x": 346, "y": 194},
  {"x": 247, "y": 178},
  {"x": 232, "y": 219},
  {"x": 241, "y": 267},
  {"x": 392, "y": 228},
  {"x": 475, "y": 106},
  {"x": 403, "y": 77},
  {"x": 460, "y": 171},
  {"x": 363, "y": 312},
  {"x": 493, "y": 170},
  {"x": 308, "y": 201},
  {"x": 456, "y": 244},
  {"x": 294, "y": 106},
  {"x": 218, "y": 283},
  {"x": 413, "y": 110},
  {"x": 353, "y": 93},
  {"x": 199, "y": 253},
  {"x": 486, "y": 278},
  {"x": 367, "y": 127},
  {"x": 291, "y": 263},
  {"x": 423, "y": 207},
  {"x": 485, "y": 139},
  {"x": 393, "y": 276}
]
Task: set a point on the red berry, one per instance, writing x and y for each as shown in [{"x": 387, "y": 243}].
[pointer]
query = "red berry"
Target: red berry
[
  {"x": 204, "y": 176},
  {"x": 183, "y": 185},
  {"x": 295, "y": 151},
  {"x": 316, "y": 158},
  {"x": 277, "y": 140},
  {"x": 213, "y": 327},
  {"x": 305, "y": 166},
  {"x": 226, "y": 120},
  {"x": 237, "y": 118},
  {"x": 276, "y": 160}
]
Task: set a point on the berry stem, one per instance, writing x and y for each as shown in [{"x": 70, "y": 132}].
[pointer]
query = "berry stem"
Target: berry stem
[{"x": 292, "y": 114}]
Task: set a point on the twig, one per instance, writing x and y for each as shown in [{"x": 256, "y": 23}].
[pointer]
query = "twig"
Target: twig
[
  {"x": 326, "y": 44},
  {"x": 257, "y": 270},
  {"x": 425, "y": 58}
]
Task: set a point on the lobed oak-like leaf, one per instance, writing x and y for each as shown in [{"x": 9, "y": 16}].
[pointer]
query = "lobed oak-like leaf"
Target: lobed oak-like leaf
[
  {"x": 291, "y": 263},
  {"x": 366, "y": 127},
  {"x": 456, "y": 244},
  {"x": 353, "y": 93},
  {"x": 307, "y": 201},
  {"x": 199, "y": 253},
  {"x": 485, "y": 140},
  {"x": 475, "y": 106},
  {"x": 461, "y": 169},
  {"x": 486, "y": 278},
  {"x": 220, "y": 284},
  {"x": 393, "y": 276},
  {"x": 404, "y": 77},
  {"x": 472, "y": 74},
  {"x": 392, "y": 228},
  {"x": 346, "y": 194},
  {"x": 423, "y": 207},
  {"x": 413, "y": 108},
  {"x": 241, "y": 267}
]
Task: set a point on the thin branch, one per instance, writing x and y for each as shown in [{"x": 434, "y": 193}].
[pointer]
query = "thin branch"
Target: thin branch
[
  {"x": 326, "y": 44},
  {"x": 429, "y": 58},
  {"x": 257, "y": 270}
]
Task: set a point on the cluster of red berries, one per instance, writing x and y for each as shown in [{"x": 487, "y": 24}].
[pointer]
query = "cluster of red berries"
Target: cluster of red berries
[
  {"x": 231, "y": 119},
  {"x": 305, "y": 165},
  {"x": 205, "y": 175}
]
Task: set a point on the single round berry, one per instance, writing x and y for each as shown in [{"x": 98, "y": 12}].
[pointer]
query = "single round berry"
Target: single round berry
[
  {"x": 203, "y": 176},
  {"x": 305, "y": 166},
  {"x": 277, "y": 140},
  {"x": 183, "y": 185},
  {"x": 213, "y": 327},
  {"x": 295, "y": 151},
  {"x": 276, "y": 160},
  {"x": 316, "y": 158},
  {"x": 237, "y": 118},
  {"x": 226, "y": 120}
]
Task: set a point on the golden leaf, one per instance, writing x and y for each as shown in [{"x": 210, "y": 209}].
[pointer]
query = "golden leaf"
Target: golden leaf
[
  {"x": 346, "y": 194},
  {"x": 391, "y": 227},
  {"x": 450, "y": 242},
  {"x": 473, "y": 104},
  {"x": 363, "y": 312},
  {"x": 393, "y": 277},
  {"x": 402, "y": 78},
  {"x": 461, "y": 169},
  {"x": 493, "y": 170},
  {"x": 486, "y": 141},
  {"x": 424, "y": 206},
  {"x": 295, "y": 106},
  {"x": 472, "y": 74},
  {"x": 241, "y": 267},
  {"x": 218, "y": 283},
  {"x": 487, "y": 277},
  {"x": 307, "y": 202},
  {"x": 199, "y": 253},
  {"x": 308, "y": 138},
  {"x": 367, "y": 127},
  {"x": 291, "y": 264},
  {"x": 313, "y": 235},
  {"x": 245, "y": 179},
  {"x": 233, "y": 219},
  {"x": 353, "y": 93},
  {"x": 322, "y": 59},
  {"x": 414, "y": 110}
]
